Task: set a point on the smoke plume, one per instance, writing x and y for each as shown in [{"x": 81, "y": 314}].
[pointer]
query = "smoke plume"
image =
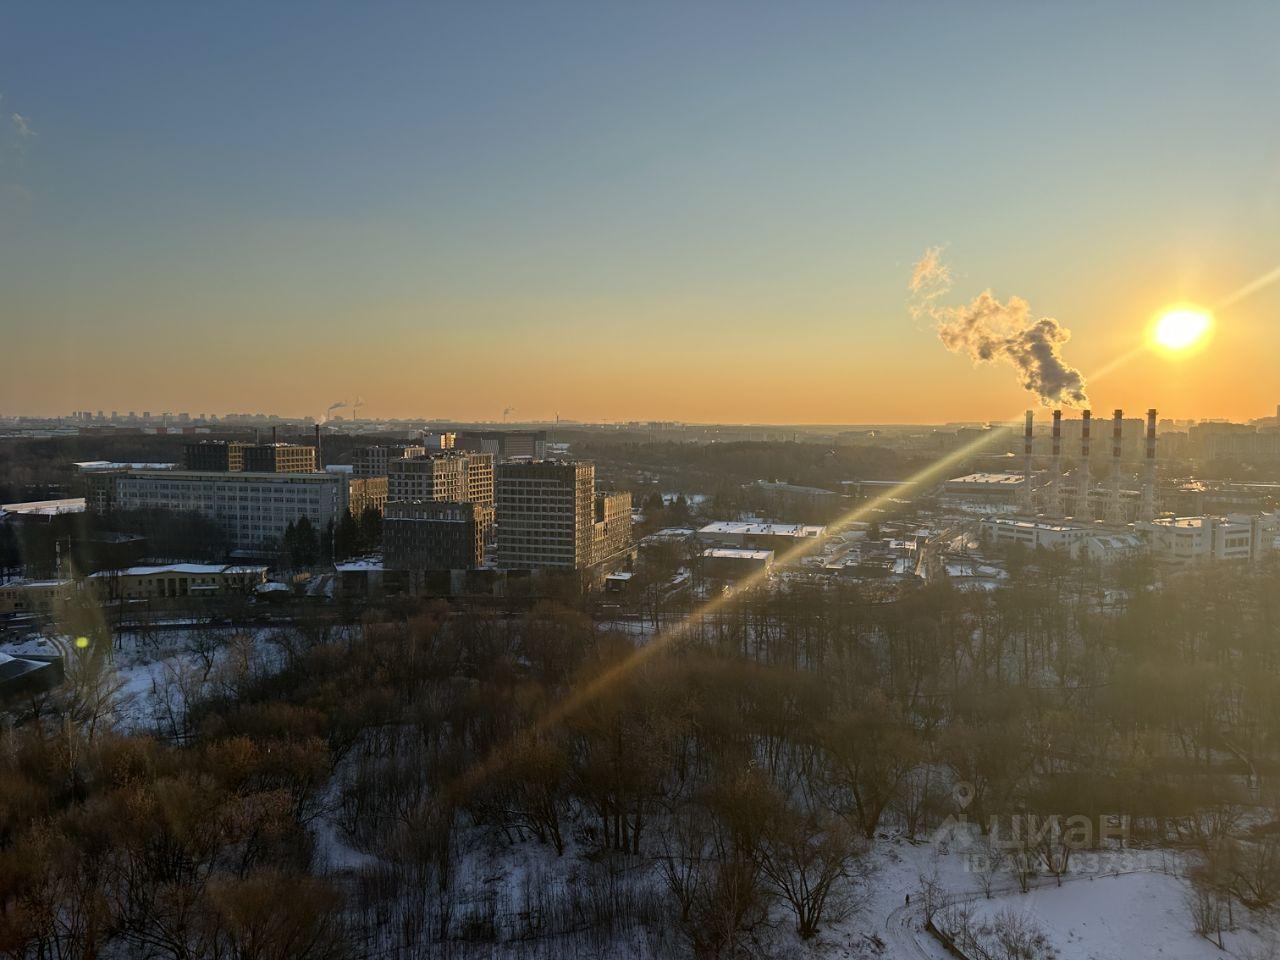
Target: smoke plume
[
  {"x": 989, "y": 330},
  {"x": 337, "y": 405}
]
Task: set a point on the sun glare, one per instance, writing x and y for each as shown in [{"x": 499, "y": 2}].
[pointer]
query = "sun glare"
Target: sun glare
[{"x": 1181, "y": 328}]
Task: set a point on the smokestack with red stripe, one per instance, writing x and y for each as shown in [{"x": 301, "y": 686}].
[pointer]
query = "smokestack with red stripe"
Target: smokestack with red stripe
[
  {"x": 1115, "y": 506},
  {"x": 1083, "y": 474},
  {"x": 1149, "y": 470},
  {"x": 1027, "y": 433},
  {"x": 1055, "y": 480}
]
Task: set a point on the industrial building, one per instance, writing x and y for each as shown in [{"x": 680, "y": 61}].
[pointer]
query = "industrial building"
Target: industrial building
[
  {"x": 1089, "y": 540},
  {"x": 757, "y": 535},
  {"x": 1190, "y": 540},
  {"x": 996, "y": 488},
  {"x": 732, "y": 564},
  {"x": 1069, "y": 487}
]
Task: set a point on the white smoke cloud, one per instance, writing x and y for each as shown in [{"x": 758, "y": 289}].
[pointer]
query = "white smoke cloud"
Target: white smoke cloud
[
  {"x": 990, "y": 331},
  {"x": 21, "y": 125}
]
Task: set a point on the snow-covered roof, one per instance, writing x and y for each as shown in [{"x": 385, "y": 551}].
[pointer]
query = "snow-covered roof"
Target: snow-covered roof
[
  {"x": 90, "y": 466},
  {"x": 732, "y": 553},
  {"x": 762, "y": 528},
  {"x": 44, "y": 508},
  {"x": 191, "y": 569}
]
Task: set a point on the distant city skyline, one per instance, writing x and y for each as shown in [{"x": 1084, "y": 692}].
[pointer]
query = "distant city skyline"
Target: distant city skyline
[{"x": 703, "y": 212}]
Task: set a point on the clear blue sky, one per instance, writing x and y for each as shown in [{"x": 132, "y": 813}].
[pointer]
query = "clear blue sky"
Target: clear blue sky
[{"x": 452, "y": 208}]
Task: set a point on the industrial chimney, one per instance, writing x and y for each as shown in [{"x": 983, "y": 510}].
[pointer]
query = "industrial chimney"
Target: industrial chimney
[
  {"x": 1149, "y": 470},
  {"x": 1084, "y": 479},
  {"x": 1053, "y": 507},
  {"x": 1115, "y": 507},
  {"x": 319, "y": 459},
  {"x": 1026, "y": 496}
]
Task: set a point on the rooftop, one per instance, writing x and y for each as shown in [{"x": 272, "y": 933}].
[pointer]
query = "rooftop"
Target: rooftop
[
  {"x": 191, "y": 569},
  {"x": 730, "y": 553},
  {"x": 762, "y": 529},
  {"x": 46, "y": 508},
  {"x": 991, "y": 479}
]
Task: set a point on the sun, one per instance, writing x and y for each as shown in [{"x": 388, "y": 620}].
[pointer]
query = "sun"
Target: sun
[{"x": 1179, "y": 329}]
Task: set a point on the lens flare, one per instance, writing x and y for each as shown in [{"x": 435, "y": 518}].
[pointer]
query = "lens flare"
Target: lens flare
[{"x": 1179, "y": 329}]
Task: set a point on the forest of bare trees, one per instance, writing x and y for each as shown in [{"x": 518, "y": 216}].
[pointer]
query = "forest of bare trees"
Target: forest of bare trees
[{"x": 337, "y": 795}]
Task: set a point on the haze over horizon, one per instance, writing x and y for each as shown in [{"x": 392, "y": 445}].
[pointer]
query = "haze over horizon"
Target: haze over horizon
[{"x": 704, "y": 213}]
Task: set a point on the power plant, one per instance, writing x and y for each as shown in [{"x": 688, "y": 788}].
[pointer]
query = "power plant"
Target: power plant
[{"x": 1066, "y": 488}]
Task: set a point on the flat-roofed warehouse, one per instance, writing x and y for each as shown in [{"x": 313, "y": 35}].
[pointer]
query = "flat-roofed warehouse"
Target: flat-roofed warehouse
[
  {"x": 758, "y": 535},
  {"x": 1004, "y": 487}
]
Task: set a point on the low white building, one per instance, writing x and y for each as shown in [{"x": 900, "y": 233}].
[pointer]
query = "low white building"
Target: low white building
[
  {"x": 1188, "y": 540},
  {"x": 1049, "y": 534}
]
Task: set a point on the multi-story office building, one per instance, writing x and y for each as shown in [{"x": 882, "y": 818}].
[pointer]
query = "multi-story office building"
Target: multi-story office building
[
  {"x": 376, "y": 461},
  {"x": 224, "y": 456},
  {"x": 279, "y": 458},
  {"x": 505, "y": 444},
  {"x": 549, "y": 516},
  {"x": 456, "y": 476},
  {"x": 420, "y": 535},
  {"x": 253, "y": 508}
]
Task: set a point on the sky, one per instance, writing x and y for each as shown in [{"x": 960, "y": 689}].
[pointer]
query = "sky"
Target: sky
[{"x": 696, "y": 211}]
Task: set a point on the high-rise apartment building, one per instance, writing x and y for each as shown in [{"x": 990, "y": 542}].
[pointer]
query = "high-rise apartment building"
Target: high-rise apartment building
[
  {"x": 611, "y": 529},
  {"x": 441, "y": 440},
  {"x": 215, "y": 455},
  {"x": 421, "y": 535},
  {"x": 376, "y": 461},
  {"x": 279, "y": 458},
  {"x": 454, "y": 476},
  {"x": 366, "y": 493},
  {"x": 234, "y": 456},
  {"x": 549, "y": 516},
  {"x": 505, "y": 444}
]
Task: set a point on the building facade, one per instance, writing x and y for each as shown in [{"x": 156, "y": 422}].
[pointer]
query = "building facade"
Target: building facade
[
  {"x": 279, "y": 458},
  {"x": 421, "y": 535},
  {"x": 546, "y": 512},
  {"x": 505, "y": 444},
  {"x": 611, "y": 528},
  {"x": 252, "y": 508},
  {"x": 366, "y": 493},
  {"x": 457, "y": 477},
  {"x": 176, "y": 580},
  {"x": 376, "y": 461},
  {"x": 222, "y": 456},
  {"x": 1189, "y": 540},
  {"x": 234, "y": 456},
  {"x": 34, "y": 596}
]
